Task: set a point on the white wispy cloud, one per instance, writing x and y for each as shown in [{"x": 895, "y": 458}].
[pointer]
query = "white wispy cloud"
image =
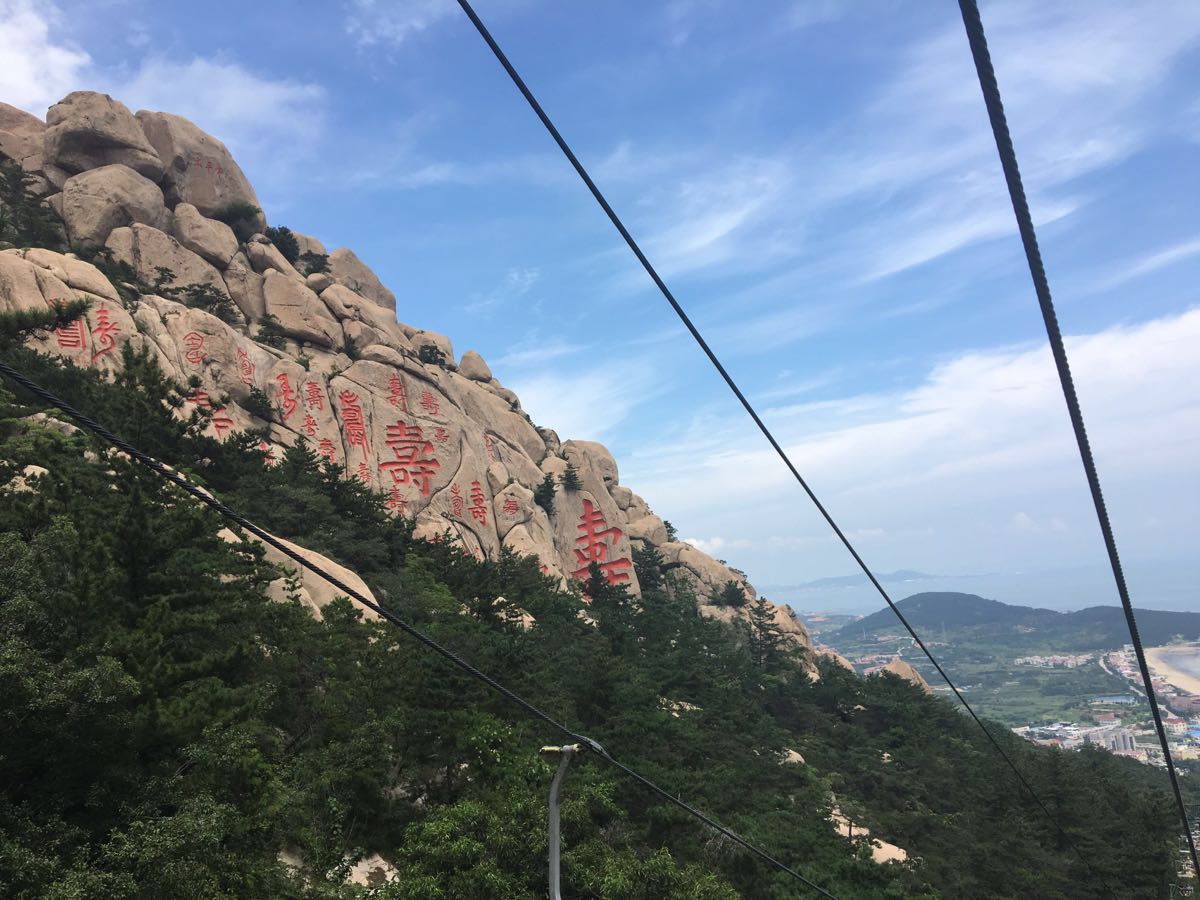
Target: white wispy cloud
[
  {"x": 392, "y": 22},
  {"x": 589, "y": 402},
  {"x": 517, "y": 282},
  {"x": 270, "y": 124},
  {"x": 537, "y": 352},
  {"x": 245, "y": 109},
  {"x": 911, "y": 176},
  {"x": 1152, "y": 262},
  {"x": 38, "y": 69},
  {"x": 981, "y": 446}
]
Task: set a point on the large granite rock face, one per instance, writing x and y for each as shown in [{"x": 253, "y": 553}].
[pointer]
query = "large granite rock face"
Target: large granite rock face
[
  {"x": 213, "y": 240},
  {"x": 348, "y": 269},
  {"x": 445, "y": 443},
  {"x": 300, "y": 312},
  {"x": 97, "y": 201},
  {"x": 21, "y": 136},
  {"x": 198, "y": 168},
  {"x": 86, "y": 130},
  {"x": 149, "y": 250}
]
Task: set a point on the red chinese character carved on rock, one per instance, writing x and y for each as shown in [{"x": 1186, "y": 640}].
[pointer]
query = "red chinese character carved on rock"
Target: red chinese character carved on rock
[
  {"x": 415, "y": 463},
  {"x": 245, "y": 367},
  {"x": 396, "y": 501},
  {"x": 430, "y": 403},
  {"x": 200, "y": 398},
  {"x": 194, "y": 341},
  {"x": 478, "y": 503},
  {"x": 456, "y": 501},
  {"x": 356, "y": 423},
  {"x": 441, "y": 435},
  {"x": 487, "y": 445},
  {"x": 220, "y": 423},
  {"x": 396, "y": 394},
  {"x": 102, "y": 335},
  {"x": 310, "y": 425},
  {"x": 364, "y": 473},
  {"x": 313, "y": 396},
  {"x": 71, "y": 337},
  {"x": 287, "y": 396},
  {"x": 325, "y": 448},
  {"x": 594, "y": 537},
  {"x": 511, "y": 507}
]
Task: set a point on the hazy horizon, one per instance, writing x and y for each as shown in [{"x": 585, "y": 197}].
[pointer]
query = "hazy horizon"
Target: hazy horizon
[{"x": 1166, "y": 585}]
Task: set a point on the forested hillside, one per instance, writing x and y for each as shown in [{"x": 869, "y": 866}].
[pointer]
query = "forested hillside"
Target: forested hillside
[
  {"x": 169, "y": 731},
  {"x": 177, "y": 722}
]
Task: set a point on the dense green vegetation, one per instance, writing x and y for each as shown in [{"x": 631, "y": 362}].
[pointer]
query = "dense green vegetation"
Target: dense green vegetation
[{"x": 168, "y": 730}]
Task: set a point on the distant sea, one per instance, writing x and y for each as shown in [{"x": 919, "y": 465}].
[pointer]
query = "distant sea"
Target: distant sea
[
  {"x": 1171, "y": 586},
  {"x": 1186, "y": 660}
]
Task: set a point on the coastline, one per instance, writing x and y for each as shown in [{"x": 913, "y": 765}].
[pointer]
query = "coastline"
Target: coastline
[{"x": 1180, "y": 679}]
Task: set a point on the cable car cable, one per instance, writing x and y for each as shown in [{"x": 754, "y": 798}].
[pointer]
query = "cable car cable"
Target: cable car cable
[{"x": 1016, "y": 191}]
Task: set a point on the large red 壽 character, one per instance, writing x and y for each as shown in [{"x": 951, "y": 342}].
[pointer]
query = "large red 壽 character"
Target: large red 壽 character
[
  {"x": 415, "y": 463},
  {"x": 594, "y": 536},
  {"x": 102, "y": 335}
]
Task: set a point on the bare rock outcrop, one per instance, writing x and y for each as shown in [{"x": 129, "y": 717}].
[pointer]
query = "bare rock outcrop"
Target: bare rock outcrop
[
  {"x": 98, "y": 201},
  {"x": 441, "y": 439},
  {"x": 149, "y": 250},
  {"x": 351, "y": 271},
  {"x": 213, "y": 240},
  {"x": 86, "y": 130},
  {"x": 905, "y": 670},
  {"x": 472, "y": 366},
  {"x": 197, "y": 168},
  {"x": 21, "y": 136},
  {"x": 300, "y": 312}
]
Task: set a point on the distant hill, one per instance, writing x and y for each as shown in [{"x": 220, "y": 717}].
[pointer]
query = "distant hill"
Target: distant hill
[{"x": 1094, "y": 628}]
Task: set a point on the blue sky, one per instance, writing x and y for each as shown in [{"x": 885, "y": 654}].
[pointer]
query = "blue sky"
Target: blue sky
[{"x": 817, "y": 182}]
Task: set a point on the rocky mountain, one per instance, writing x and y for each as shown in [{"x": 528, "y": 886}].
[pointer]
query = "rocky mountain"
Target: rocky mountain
[{"x": 277, "y": 335}]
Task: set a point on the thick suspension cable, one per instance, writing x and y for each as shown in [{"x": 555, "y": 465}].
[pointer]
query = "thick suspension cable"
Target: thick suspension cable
[
  {"x": 213, "y": 503},
  {"x": 708, "y": 351},
  {"x": 1016, "y": 191}
]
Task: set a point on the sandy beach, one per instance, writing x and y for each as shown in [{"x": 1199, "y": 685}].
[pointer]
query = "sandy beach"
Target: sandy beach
[{"x": 1162, "y": 662}]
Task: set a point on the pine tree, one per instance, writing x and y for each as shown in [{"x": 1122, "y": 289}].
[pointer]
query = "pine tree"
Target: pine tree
[
  {"x": 766, "y": 640},
  {"x": 544, "y": 495},
  {"x": 570, "y": 479},
  {"x": 732, "y": 594}
]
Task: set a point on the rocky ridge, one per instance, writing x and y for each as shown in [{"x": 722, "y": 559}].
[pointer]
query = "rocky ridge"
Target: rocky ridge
[{"x": 440, "y": 435}]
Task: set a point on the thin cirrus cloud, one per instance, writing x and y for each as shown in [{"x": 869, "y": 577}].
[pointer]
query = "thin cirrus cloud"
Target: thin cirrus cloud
[{"x": 910, "y": 176}]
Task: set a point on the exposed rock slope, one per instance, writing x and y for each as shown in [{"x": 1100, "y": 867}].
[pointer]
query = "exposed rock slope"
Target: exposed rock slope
[{"x": 446, "y": 442}]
